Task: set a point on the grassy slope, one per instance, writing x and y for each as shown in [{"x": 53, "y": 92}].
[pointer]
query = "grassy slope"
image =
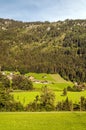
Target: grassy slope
[
  {"x": 41, "y": 76},
  {"x": 55, "y": 82},
  {"x": 49, "y": 77},
  {"x": 53, "y": 86},
  {"x": 58, "y": 78},
  {"x": 43, "y": 121}
]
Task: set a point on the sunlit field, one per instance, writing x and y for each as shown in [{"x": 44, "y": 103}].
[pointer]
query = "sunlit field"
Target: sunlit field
[
  {"x": 43, "y": 121},
  {"x": 27, "y": 97}
]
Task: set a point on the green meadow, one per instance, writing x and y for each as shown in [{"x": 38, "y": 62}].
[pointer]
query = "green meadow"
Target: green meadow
[
  {"x": 27, "y": 97},
  {"x": 53, "y": 86},
  {"x": 43, "y": 121},
  {"x": 49, "y": 77},
  {"x": 54, "y": 82}
]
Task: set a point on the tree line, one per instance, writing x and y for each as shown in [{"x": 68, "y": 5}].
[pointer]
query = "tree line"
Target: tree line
[{"x": 44, "y": 102}]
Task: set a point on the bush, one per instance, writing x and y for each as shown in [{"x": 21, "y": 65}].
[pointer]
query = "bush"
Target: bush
[
  {"x": 7, "y": 102},
  {"x": 21, "y": 82},
  {"x": 47, "y": 99},
  {"x": 65, "y": 105},
  {"x": 64, "y": 91},
  {"x": 4, "y": 81},
  {"x": 43, "y": 103}
]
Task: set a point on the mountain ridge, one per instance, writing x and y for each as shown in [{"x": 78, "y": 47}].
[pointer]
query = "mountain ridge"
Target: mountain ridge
[{"x": 51, "y": 47}]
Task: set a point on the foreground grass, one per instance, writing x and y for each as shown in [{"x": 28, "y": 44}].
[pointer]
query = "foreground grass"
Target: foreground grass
[{"x": 43, "y": 121}]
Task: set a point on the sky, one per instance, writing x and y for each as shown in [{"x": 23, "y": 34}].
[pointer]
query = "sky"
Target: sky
[{"x": 42, "y": 10}]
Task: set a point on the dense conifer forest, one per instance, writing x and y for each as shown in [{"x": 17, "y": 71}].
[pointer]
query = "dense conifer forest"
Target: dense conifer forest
[{"x": 57, "y": 47}]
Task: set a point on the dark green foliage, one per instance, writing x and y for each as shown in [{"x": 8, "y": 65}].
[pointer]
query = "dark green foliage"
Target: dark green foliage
[
  {"x": 77, "y": 87},
  {"x": 47, "y": 99},
  {"x": 83, "y": 104},
  {"x": 4, "y": 81},
  {"x": 43, "y": 103},
  {"x": 21, "y": 82},
  {"x": 7, "y": 102},
  {"x": 64, "y": 91},
  {"x": 58, "y": 47},
  {"x": 76, "y": 107},
  {"x": 65, "y": 105}
]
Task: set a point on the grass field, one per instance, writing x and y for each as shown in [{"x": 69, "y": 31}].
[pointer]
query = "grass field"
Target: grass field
[
  {"x": 49, "y": 77},
  {"x": 41, "y": 76},
  {"x": 53, "y": 86},
  {"x": 55, "y": 82},
  {"x": 27, "y": 97},
  {"x": 43, "y": 121}
]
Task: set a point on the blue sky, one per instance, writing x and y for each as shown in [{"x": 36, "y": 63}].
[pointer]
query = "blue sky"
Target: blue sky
[{"x": 43, "y": 10}]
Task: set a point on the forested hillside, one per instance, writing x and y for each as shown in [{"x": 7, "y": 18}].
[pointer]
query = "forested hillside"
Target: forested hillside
[{"x": 57, "y": 47}]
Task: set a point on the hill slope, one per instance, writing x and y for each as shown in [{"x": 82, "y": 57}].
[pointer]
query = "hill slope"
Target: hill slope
[
  {"x": 58, "y": 47},
  {"x": 53, "y": 81},
  {"x": 58, "y": 78},
  {"x": 46, "y": 77}
]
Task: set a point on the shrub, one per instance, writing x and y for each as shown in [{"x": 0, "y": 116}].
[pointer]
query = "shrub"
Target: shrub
[{"x": 21, "y": 82}]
